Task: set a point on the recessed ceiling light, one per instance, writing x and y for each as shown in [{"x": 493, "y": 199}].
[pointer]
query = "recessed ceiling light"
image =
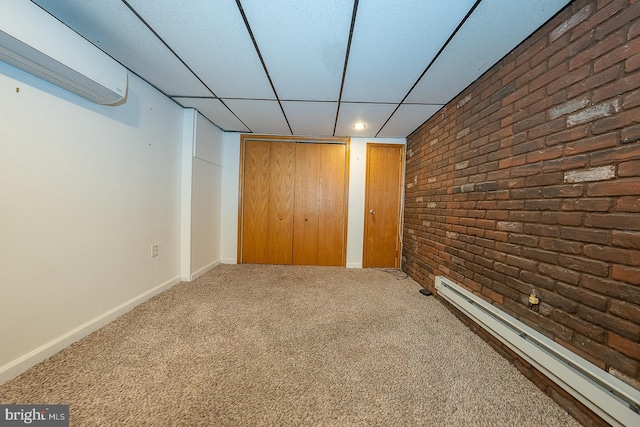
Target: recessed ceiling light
[{"x": 359, "y": 126}]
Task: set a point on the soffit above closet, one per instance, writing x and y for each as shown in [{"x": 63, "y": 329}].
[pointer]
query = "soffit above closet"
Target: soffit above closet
[{"x": 308, "y": 67}]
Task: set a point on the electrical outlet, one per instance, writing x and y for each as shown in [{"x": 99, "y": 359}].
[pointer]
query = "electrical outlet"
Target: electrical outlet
[{"x": 154, "y": 251}]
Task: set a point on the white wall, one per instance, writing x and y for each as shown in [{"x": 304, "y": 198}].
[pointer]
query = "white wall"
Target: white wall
[
  {"x": 206, "y": 195},
  {"x": 229, "y": 205},
  {"x": 357, "y": 177},
  {"x": 357, "y": 181},
  {"x": 86, "y": 190}
]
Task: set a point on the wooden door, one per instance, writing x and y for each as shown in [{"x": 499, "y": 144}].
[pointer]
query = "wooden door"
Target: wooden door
[
  {"x": 268, "y": 202},
  {"x": 307, "y": 204},
  {"x": 281, "y": 181},
  {"x": 319, "y": 217},
  {"x": 383, "y": 191},
  {"x": 292, "y": 205},
  {"x": 331, "y": 224},
  {"x": 255, "y": 216}
]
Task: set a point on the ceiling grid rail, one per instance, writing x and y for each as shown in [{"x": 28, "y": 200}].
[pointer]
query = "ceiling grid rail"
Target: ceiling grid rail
[
  {"x": 444, "y": 46},
  {"x": 155, "y": 33}
]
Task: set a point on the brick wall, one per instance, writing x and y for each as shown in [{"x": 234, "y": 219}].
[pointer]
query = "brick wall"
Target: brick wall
[{"x": 530, "y": 178}]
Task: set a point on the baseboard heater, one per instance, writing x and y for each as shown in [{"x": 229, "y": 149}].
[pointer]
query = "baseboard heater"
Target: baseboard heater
[{"x": 612, "y": 399}]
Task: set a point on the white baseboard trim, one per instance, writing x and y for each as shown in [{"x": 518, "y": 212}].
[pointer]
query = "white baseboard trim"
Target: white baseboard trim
[
  {"x": 228, "y": 261},
  {"x": 203, "y": 270},
  {"x": 354, "y": 265},
  {"x": 26, "y": 361}
]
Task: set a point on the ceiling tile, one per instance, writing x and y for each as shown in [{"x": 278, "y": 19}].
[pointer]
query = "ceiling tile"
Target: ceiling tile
[
  {"x": 311, "y": 118},
  {"x": 492, "y": 31},
  {"x": 215, "y": 111},
  {"x": 260, "y": 116},
  {"x": 373, "y": 115},
  {"x": 304, "y": 49},
  {"x": 212, "y": 38},
  {"x": 129, "y": 41},
  {"x": 407, "y": 119},
  {"x": 393, "y": 42}
]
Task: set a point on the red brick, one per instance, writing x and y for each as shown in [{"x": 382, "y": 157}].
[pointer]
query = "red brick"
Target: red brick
[
  {"x": 598, "y": 49},
  {"x": 616, "y": 88},
  {"x": 585, "y": 328},
  {"x": 540, "y": 255},
  {"x": 568, "y": 135},
  {"x": 494, "y": 296},
  {"x": 585, "y": 86},
  {"x": 628, "y": 118},
  {"x": 591, "y": 144},
  {"x": 617, "y": 55},
  {"x": 522, "y": 239},
  {"x": 631, "y": 168},
  {"x": 625, "y": 310},
  {"x": 543, "y": 205},
  {"x": 608, "y": 355},
  {"x": 621, "y": 19},
  {"x": 617, "y": 221},
  {"x": 626, "y": 239},
  {"x": 619, "y": 187},
  {"x": 588, "y": 205},
  {"x": 625, "y": 346},
  {"x": 612, "y": 288},
  {"x": 568, "y": 79},
  {"x": 560, "y": 273},
  {"x": 562, "y": 218},
  {"x": 623, "y": 153},
  {"x": 512, "y": 161},
  {"x": 626, "y": 274},
  {"x": 571, "y": 190},
  {"x": 521, "y": 263},
  {"x": 631, "y": 100},
  {"x": 630, "y": 134},
  {"x": 559, "y": 245},
  {"x": 542, "y": 230},
  {"x": 565, "y": 163},
  {"x": 615, "y": 255},
  {"x": 586, "y": 235},
  {"x": 612, "y": 323},
  {"x": 597, "y": 268},
  {"x": 632, "y": 63},
  {"x": 628, "y": 204},
  {"x": 583, "y": 297}
]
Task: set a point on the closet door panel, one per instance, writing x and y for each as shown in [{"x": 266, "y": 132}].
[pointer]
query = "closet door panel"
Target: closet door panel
[
  {"x": 332, "y": 205},
  {"x": 281, "y": 202},
  {"x": 307, "y": 204},
  {"x": 257, "y": 165}
]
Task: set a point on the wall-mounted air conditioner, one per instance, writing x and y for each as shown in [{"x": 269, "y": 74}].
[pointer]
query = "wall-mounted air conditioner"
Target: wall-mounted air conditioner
[{"x": 36, "y": 42}]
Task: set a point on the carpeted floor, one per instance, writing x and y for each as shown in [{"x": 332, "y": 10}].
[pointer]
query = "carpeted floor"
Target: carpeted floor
[{"x": 249, "y": 345}]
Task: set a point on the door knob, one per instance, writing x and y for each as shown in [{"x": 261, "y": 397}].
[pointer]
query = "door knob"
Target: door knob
[{"x": 372, "y": 212}]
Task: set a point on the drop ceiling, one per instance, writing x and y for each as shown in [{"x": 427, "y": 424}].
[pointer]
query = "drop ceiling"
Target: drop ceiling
[{"x": 308, "y": 67}]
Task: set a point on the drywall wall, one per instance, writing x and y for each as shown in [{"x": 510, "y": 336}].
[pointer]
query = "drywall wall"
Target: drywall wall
[
  {"x": 86, "y": 191},
  {"x": 357, "y": 176},
  {"x": 206, "y": 186}
]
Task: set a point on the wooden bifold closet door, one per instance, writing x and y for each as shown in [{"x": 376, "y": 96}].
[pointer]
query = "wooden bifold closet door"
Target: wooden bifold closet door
[{"x": 293, "y": 203}]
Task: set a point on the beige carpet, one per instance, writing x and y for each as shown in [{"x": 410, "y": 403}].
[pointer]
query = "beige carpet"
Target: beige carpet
[{"x": 248, "y": 345}]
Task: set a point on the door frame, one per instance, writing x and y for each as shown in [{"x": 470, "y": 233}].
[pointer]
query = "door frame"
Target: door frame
[
  {"x": 299, "y": 139},
  {"x": 398, "y": 258}
]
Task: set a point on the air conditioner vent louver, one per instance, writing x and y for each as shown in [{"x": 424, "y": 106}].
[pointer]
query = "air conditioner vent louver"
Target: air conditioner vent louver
[{"x": 35, "y": 42}]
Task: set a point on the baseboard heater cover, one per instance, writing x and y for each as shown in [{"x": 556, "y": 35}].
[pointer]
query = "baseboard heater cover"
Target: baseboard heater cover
[{"x": 612, "y": 399}]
